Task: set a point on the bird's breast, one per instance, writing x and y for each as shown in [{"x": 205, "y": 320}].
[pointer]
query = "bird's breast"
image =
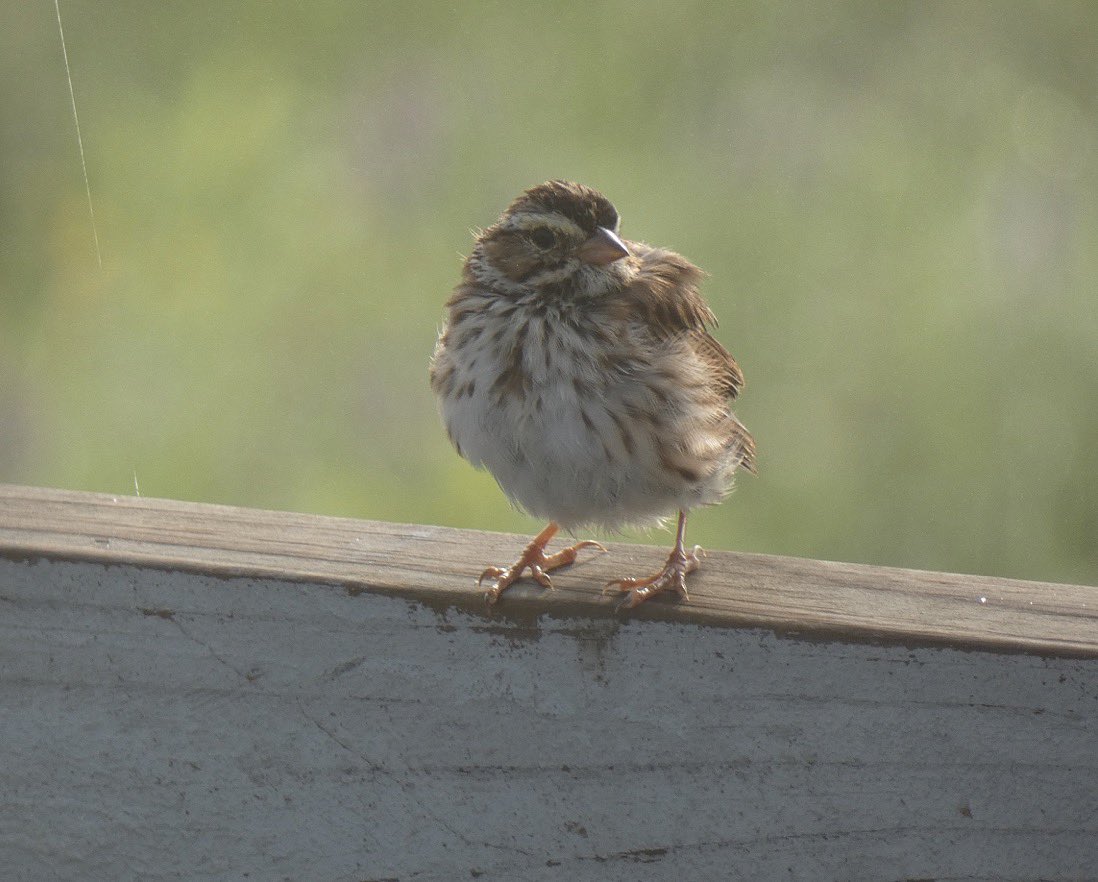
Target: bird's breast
[
  {"x": 530, "y": 377},
  {"x": 579, "y": 421}
]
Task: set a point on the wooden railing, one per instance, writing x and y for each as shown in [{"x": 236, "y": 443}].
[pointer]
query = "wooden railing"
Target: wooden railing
[{"x": 197, "y": 691}]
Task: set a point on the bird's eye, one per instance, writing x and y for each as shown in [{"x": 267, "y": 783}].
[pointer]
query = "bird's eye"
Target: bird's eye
[{"x": 543, "y": 238}]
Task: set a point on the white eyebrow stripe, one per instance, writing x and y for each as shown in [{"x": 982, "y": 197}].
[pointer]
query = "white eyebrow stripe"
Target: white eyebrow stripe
[{"x": 526, "y": 220}]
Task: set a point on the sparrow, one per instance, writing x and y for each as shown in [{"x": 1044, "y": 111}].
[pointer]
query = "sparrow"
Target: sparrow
[{"x": 577, "y": 367}]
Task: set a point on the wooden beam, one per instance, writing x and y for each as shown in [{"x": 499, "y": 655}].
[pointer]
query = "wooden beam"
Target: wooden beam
[
  {"x": 438, "y": 565},
  {"x": 344, "y": 706}
]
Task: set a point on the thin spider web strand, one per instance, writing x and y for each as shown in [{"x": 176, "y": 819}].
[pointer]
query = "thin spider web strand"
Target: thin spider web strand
[{"x": 79, "y": 139}]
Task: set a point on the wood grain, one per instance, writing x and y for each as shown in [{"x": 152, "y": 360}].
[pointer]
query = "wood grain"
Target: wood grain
[
  {"x": 438, "y": 565},
  {"x": 206, "y": 693}
]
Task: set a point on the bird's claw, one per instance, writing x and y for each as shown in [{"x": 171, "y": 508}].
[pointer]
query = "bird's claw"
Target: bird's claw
[
  {"x": 490, "y": 573},
  {"x": 586, "y": 543},
  {"x": 537, "y": 562},
  {"x": 671, "y": 578}
]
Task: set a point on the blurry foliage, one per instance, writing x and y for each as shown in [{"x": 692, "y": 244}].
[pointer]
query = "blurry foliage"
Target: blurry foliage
[{"x": 896, "y": 202}]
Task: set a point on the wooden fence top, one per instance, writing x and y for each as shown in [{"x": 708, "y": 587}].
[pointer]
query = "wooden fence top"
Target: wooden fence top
[{"x": 438, "y": 566}]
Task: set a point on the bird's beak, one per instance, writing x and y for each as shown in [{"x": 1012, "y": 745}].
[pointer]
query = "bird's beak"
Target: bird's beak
[{"x": 602, "y": 248}]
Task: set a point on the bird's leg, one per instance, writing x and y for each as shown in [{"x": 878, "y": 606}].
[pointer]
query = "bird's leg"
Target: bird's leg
[
  {"x": 536, "y": 560},
  {"x": 671, "y": 578}
]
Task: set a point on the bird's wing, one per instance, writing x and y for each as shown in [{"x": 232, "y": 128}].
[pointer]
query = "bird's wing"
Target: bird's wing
[
  {"x": 719, "y": 362},
  {"x": 728, "y": 380},
  {"x": 664, "y": 293},
  {"x": 664, "y": 296}
]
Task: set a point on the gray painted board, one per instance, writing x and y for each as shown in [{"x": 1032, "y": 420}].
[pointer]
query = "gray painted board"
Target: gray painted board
[{"x": 160, "y": 724}]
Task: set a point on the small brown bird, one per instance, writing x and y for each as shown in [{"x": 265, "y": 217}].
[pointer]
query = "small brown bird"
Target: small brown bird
[{"x": 576, "y": 366}]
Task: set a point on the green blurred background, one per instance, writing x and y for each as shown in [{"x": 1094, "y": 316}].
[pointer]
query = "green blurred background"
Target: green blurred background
[{"x": 896, "y": 202}]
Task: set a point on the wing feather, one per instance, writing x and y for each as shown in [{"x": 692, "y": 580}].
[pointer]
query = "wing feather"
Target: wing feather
[{"x": 664, "y": 297}]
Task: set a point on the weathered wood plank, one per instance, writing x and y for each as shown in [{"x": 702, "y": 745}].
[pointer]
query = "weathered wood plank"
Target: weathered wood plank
[
  {"x": 204, "y": 693},
  {"x": 168, "y": 725},
  {"x": 790, "y": 595}
]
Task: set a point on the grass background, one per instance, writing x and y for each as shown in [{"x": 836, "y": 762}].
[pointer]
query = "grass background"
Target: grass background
[{"x": 896, "y": 203}]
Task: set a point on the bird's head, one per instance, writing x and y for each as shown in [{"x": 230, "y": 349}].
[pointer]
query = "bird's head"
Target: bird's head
[{"x": 557, "y": 236}]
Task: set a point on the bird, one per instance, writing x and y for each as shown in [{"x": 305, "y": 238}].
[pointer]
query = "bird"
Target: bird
[{"x": 579, "y": 368}]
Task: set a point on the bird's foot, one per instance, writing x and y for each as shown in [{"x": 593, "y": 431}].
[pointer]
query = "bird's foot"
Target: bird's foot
[
  {"x": 537, "y": 561},
  {"x": 671, "y": 578}
]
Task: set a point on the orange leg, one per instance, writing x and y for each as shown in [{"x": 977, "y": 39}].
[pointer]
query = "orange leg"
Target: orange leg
[
  {"x": 671, "y": 578},
  {"x": 536, "y": 560}
]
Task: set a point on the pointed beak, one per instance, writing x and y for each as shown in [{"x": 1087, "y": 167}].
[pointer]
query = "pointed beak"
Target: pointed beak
[{"x": 602, "y": 248}]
